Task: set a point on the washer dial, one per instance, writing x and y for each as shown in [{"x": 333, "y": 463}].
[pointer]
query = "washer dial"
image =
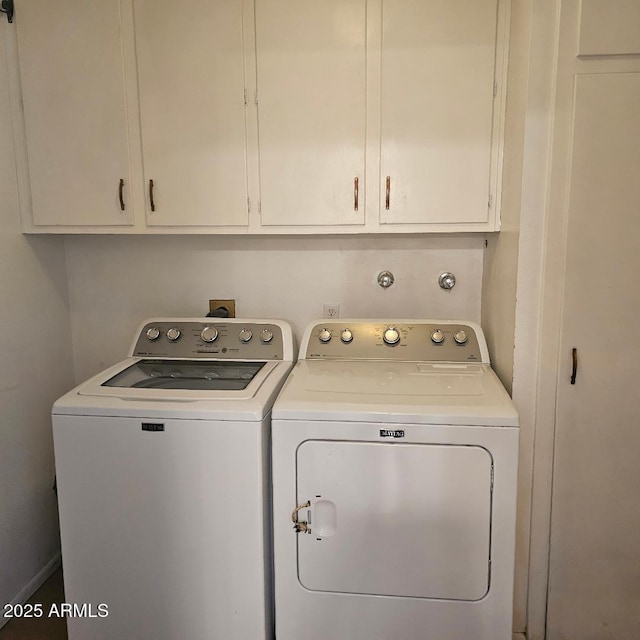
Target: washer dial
[
  {"x": 346, "y": 336},
  {"x": 245, "y": 335},
  {"x": 153, "y": 333},
  {"x": 324, "y": 336},
  {"x": 266, "y": 335},
  {"x": 209, "y": 334},
  {"x": 437, "y": 337},
  {"x": 173, "y": 334}
]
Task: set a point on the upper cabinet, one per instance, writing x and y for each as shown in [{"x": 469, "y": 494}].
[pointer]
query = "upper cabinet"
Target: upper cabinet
[
  {"x": 311, "y": 79},
  {"x": 75, "y": 112},
  {"x": 438, "y": 79},
  {"x": 192, "y": 110},
  {"x": 262, "y": 116}
]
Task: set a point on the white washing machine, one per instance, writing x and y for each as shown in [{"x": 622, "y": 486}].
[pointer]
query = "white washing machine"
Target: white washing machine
[
  {"x": 162, "y": 465},
  {"x": 394, "y": 458}
]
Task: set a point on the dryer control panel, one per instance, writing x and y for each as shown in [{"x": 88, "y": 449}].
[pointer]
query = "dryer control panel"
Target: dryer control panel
[
  {"x": 233, "y": 339},
  {"x": 408, "y": 340}
]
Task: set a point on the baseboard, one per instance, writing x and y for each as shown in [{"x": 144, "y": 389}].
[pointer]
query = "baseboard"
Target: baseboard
[{"x": 34, "y": 584}]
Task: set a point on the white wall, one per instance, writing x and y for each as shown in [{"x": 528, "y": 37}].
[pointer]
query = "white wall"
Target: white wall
[
  {"x": 35, "y": 368},
  {"x": 501, "y": 256},
  {"x": 501, "y": 272},
  {"x": 115, "y": 282}
]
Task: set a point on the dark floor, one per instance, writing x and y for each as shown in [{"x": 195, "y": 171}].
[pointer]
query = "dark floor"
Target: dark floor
[{"x": 44, "y": 628}]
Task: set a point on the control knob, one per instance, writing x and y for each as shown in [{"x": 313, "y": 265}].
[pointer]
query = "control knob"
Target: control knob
[
  {"x": 153, "y": 333},
  {"x": 391, "y": 336},
  {"x": 173, "y": 334},
  {"x": 266, "y": 335},
  {"x": 346, "y": 336},
  {"x": 245, "y": 335},
  {"x": 324, "y": 336},
  {"x": 437, "y": 337},
  {"x": 209, "y": 334},
  {"x": 461, "y": 337}
]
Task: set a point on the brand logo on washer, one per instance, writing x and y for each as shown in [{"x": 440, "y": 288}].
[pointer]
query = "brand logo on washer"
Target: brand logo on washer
[
  {"x": 391, "y": 433},
  {"x": 152, "y": 426}
]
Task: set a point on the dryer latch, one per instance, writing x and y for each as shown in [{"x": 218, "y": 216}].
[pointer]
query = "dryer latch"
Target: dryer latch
[{"x": 300, "y": 526}]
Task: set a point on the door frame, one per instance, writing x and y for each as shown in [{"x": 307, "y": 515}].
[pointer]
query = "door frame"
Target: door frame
[
  {"x": 541, "y": 274},
  {"x": 537, "y": 309}
]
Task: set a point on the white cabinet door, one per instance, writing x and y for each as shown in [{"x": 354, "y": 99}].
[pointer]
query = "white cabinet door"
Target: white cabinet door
[
  {"x": 311, "y": 68},
  {"x": 192, "y": 106},
  {"x": 73, "y": 91},
  {"x": 437, "y": 97}
]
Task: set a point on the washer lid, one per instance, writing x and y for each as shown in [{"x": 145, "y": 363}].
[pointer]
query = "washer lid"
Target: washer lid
[
  {"x": 243, "y": 390},
  {"x": 384, "y": 391},
  {"x": 163, "y": 379},
  {"x": 186, "y": 374}
]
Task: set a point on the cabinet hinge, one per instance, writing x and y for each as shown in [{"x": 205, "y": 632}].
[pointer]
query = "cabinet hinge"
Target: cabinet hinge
[
  {"x": 260, "y": 207},
  {"x": 249, "y": 205},
  {"x": 490, "y": 201},
  {"x": 246, "y": 101},
  {"x": 495, "y": 88}
]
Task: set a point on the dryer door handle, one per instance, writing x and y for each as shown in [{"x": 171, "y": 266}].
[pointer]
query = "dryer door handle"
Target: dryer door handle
[{"x": 300, "y": 526}]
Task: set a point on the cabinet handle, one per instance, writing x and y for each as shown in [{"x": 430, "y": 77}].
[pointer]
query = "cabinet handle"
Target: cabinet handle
[
  {"x": 153, "y": 204},
  {"x": 574, "y": 370},
  {"x": 121, "y": 194},
  {"x": 388, "y": 194},
  {"x": 7, "y": 7},
  {"x": 356, "y": 182}
]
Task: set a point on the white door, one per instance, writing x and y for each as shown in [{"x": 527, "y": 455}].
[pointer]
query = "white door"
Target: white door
[
  {"x": 437, "y": 92},
  {"x": 311, "y": 67},
  {"x": 594, "y": 581},
  {"x": 395, "y": 519},
  {"x": 192, "y": 109},
  {"x": 75, "y": 110}
]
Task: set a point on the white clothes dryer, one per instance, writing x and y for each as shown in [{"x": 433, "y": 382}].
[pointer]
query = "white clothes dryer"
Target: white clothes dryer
[
  {"x": 394, "y": 456},
  {"x": 162, "y": 466}
]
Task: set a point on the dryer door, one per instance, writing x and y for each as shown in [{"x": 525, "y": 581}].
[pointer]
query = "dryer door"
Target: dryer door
[{"x": 395, "y": 519}]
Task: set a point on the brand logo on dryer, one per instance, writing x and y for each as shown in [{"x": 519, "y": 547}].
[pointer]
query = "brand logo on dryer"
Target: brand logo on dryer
[{"x": 391, "y": 433}]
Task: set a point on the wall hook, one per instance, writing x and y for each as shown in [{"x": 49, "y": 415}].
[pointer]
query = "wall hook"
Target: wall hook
[
  {"x": 7, "y": 7},
  {"x": 385, "y": 279},
  {"x": 447, "y": 281}
]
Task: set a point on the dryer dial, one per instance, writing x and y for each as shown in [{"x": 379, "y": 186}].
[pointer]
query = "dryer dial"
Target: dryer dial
[
  {"x": 209, "y": 334},
  {"x": 346, "y": 336},
  {"x": 461, "y": 337},
  {"x": 391, "y": 336},
  {"x": 437, "y": 337},
  {"x": 324, "y": 336}
]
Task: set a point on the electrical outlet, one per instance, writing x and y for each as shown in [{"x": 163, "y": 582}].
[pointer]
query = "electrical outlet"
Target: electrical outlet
[
  {"x": 218, "y": 306},
  {"x": 331, "y": 311}
]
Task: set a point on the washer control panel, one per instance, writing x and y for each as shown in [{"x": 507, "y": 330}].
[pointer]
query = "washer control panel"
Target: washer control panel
[
  {"x": 423, "y": 341},
  {"x": 214, "y": 339}
]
